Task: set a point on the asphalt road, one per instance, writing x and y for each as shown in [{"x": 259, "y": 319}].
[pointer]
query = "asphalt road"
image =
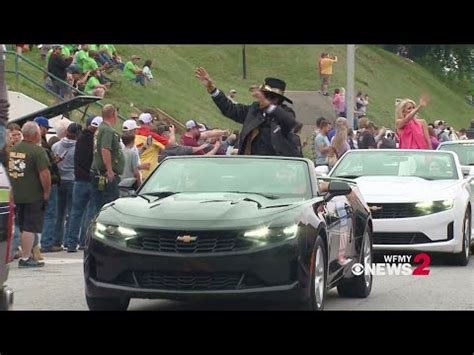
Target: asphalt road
[{"x": 60, "y": 286}]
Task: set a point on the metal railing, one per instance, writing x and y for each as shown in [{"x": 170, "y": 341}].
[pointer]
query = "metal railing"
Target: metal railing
[{"x": 19, "y": 74}]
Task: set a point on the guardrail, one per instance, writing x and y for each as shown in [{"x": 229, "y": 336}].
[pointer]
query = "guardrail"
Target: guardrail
[{"x": 19, "y": 74}]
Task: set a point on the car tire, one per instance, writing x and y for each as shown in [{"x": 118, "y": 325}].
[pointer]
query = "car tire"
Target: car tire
[
  {"x": 462, "y": 258},
  {"x": 361, "y": 285},
  {"x": 318, "y": 275},
  {"x": 107, "y": 304}
]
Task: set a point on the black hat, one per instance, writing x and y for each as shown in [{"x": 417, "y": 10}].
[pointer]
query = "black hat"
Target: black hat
[{"x": 275, "y": 86}]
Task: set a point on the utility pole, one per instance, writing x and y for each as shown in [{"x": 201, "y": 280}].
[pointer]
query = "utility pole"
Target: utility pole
[
  {"x": 350, "y": 84},
  {"x": 244, "y": 62}
]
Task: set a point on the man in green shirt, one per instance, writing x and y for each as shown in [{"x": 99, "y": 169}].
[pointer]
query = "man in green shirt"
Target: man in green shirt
[
  {"x": 132, "y": 72},
  {"x": 81, "y": 56},
  {"x": 108, "y": 162},
  {"x": 93, "y": 85},
  {"x": 28, "y": 168}
]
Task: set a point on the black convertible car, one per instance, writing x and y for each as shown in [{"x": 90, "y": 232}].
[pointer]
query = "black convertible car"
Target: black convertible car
[{"x": 243, "y": 226}]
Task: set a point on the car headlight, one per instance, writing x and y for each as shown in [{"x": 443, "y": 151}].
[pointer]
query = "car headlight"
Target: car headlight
[
  {"x": 272, "y": 234},
  {"x": 114, "y": 233},
  {"x": 430, "y": 207}
]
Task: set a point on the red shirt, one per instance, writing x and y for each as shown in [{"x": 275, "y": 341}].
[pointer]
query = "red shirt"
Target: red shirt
[
  {"x": 146, "y": 131},
  {"x": 191, "y": 142}
]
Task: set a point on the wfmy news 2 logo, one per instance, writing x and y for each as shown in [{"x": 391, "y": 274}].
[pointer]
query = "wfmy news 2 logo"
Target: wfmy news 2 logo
[{"x": 396, "y": 265}]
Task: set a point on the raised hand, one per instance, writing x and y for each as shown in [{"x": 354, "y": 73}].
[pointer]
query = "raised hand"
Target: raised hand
[
  {"x": 424, "y": 100},
  {"x": 203, "y": 76}
]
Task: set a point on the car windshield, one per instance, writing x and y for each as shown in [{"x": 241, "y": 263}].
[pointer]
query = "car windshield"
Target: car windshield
[
  {"x": 425, "y": 165},
  {"x": 270, "y": 178},
  {"x": 465, "y": 152}
]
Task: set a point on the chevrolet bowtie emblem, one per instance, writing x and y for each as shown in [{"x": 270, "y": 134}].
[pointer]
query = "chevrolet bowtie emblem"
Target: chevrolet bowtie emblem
[
  {"x": 186, "y": 238},
  {"x": 375, "y": 208}
]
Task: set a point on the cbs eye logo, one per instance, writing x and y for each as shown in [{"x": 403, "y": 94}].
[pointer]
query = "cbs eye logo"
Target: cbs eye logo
[{"x": 357, "y": 269}]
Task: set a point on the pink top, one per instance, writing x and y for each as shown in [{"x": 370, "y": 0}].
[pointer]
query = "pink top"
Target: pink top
[
  {"x": 339, "y": 103},
  {"x": 412, "y": 136}
]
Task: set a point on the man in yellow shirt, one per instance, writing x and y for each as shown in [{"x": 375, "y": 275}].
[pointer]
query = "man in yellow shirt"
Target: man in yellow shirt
[{"x": 325, "y": 71}]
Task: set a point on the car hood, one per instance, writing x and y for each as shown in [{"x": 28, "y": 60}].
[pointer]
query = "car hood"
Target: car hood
[
  {"x": 377, "y": 189},
  {"x": 198, "y": 210}
]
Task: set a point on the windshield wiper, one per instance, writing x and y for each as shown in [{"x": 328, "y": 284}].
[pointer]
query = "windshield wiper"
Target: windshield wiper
[{"x": 269, "y": 196}]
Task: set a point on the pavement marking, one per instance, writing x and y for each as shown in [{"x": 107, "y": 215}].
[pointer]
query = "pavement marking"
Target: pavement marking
[{"x": 56, "y": 261}]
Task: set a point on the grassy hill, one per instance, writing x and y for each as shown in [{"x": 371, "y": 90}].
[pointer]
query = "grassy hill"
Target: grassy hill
[{"x": 382, "y": 75}]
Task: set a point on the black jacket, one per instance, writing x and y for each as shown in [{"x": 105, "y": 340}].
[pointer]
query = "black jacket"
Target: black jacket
[
  {"x": 83, "y": 156},
  {"x": 53, "y": 167},
  {"x": 57, "y": 66},
  {"x": 275, "y": 135}
]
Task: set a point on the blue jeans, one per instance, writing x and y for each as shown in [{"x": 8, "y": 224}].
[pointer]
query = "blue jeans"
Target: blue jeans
[
  {"x": 82, "y": 213},
  {"x": 105, "y": 58},
  {"x": 140, "y": 79},
  {"x": 47, "y": 236},
  {"x": 64, "y": 210},
  {"x": 109, "y": 194}
]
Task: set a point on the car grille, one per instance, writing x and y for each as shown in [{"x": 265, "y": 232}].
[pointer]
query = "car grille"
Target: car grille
[
  {"x": 188, "y": 281},
  {"x": 205, "y": 242},
  {"x": 400, "y": 238},
  {"x": 393, "y": 210}
]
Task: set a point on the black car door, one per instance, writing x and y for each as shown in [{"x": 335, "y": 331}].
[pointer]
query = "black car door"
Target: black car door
[{"x": 338, "y": 214}]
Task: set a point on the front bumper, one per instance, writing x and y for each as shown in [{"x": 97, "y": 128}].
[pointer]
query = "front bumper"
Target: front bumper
[
  {"x": 273, "y": 272},
  {"x": 435, "y": 227}
]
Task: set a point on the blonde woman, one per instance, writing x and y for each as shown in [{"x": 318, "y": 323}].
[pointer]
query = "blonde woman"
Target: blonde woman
[
  {"x": 339, "y": 141},
  {"x": 412, "y": 131}
]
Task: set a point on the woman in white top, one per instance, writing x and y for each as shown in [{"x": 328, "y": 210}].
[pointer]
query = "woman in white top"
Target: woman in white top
[{"x": 147, "y": 70}]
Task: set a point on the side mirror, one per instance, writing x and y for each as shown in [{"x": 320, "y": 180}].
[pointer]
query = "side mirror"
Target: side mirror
[
  {"x": 321, "y": 170},
  {"x": 338, "y": 188}
]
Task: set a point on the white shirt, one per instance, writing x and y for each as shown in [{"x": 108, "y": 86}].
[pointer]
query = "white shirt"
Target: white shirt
[{"x": 147, "y": 73}]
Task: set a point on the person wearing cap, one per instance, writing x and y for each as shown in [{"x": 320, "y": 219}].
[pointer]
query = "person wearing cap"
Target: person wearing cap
[
  {"x": 49, "y": 224},
  {"x": 65, "y": 150},
  {"x": 196, "y": 132},
  {"x": 443, "y": 133},
  {"x": 231, "y": 96},
  {"x": 131, "y": 71},
  {"x": 82, "y": 210},
  {"x": 149, "y": 143},
  {"x": 174, "y": 149},
  {"x": 267, "y": 123},
  {"x": 129, "y": 129},
  {"x": 57, "y": 65}
]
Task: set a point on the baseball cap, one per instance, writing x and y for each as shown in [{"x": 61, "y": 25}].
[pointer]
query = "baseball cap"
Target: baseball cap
[
  {"x": 74, "y": 128},
  {"x": 135, "y": 57},
  {"x": 145, "y": 117},
  {"x": 233, "y": 91},
  {"x": 129, "y": 125},
  {"x": 94, "y": 121},
  {"x": 42, "y": 122},
  {"x": 193, "y": 124}
]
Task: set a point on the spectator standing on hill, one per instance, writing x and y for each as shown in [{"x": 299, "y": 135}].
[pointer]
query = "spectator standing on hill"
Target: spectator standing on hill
[
  {"x": 412, "y": 131},
  {"x": 325, "y": 71},
  {"x": 339, "y": 102},
  {"x": 57, "y": 66},
  {"x": 131, "y": 71}
]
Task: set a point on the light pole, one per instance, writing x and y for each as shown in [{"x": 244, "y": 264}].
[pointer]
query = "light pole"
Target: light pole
[{"x": 350, "y": 84}]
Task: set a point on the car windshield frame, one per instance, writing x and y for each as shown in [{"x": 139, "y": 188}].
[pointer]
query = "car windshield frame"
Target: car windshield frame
[
  {"x": 404, "y": 164},
  {"x": 246, "y": 175},
  {"x": 446, "y": 148}
]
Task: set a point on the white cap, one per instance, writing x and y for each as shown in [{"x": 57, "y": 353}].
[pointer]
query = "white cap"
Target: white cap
[
  {"x": 129, "y": 125},
  {"x": 233, "y": 91},
  {"x": 145, "y": 117},
  {"x": 96, "y": 121},
  {"x": 193, "y": 124}
]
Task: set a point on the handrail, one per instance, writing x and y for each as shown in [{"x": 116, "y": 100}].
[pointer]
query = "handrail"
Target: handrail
[{"x": 19, "y": 74}]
